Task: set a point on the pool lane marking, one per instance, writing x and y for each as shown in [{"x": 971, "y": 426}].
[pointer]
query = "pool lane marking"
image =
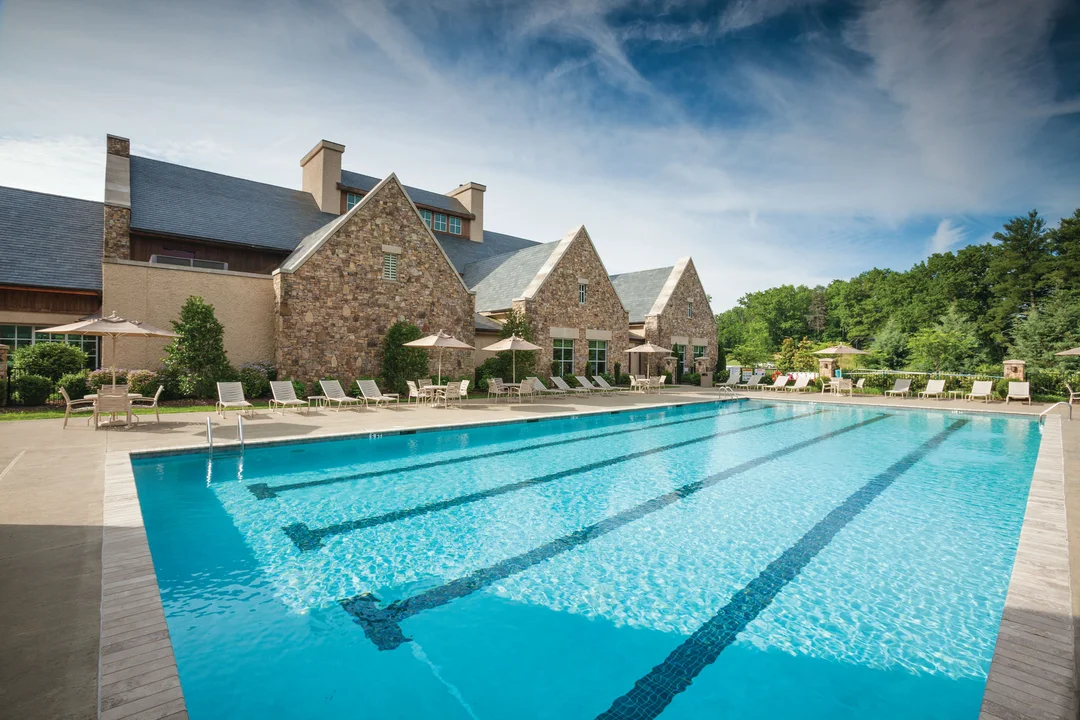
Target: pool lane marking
[
  {"x": 307, "y": 539},
  {"x": 654, "y": 692},
  {"x": 382, "y": 624},
  {"x": 264, "y": 491}
]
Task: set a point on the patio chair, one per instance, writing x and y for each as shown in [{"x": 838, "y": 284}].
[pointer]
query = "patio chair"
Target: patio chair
[
  {"x": 778, "y": 383},
  {"x": 542, "y": 389},
  {"x": 415, "y": 394},
  {"x": 112, "y": 400},
  {"x": 660, "y": 383},
  {"x": 231, "y": 395},
  {"x": 1019, "y": 391},
  {"x": 934, "y": 388},
  {"x": 453, "y": 391},
  {"x": 752, "y": 383},
  {"x": 332, "y": 391},
  {"x": 1072, "y": 395},
  {"x": 981, "y": 389},
  {"x": 150, "y": 402},
  {"x": 284, "y": 395},
  {"x": 860, "y": 386},
  {"x": 561, "y": 384},
  {"x": 372, "y": 393},
  {"x": 75, "y": 406},
  {"x": 497, "y": 389},
  {"x": 637, "y": 384},
  {"x": 604, "y": 385},
  {"x": 524, "y": 389},
  {"x": 584, "y": 382},
  {"x": 900, "y": 388},
  {"x": 801, "y": 383}
]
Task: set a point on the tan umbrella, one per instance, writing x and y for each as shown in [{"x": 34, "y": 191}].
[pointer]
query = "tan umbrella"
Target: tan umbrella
[
  {"x": 513, "y": 344},
  {"x": 113, "y": 326},
  {"x": 439, "y": 340},
  {"x": 841, "y": 349},
  {"x": 1073, "y": 351},
  {"x": 649, "y": 349}
]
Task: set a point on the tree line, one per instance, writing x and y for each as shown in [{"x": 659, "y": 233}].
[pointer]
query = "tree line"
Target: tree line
[{"x": 962, "y": 311}]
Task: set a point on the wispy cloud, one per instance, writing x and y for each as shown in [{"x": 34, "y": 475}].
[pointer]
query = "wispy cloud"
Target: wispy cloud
[{"x": 946, "y": 237}]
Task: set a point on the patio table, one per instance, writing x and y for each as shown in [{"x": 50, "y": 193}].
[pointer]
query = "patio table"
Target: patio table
[{"x": 320, "y": 401}]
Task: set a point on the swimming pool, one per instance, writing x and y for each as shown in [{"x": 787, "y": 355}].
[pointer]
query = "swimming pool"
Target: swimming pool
[{"x": 743, "y": 559}]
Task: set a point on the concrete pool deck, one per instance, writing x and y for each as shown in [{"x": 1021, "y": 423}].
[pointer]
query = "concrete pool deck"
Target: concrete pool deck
[{"x": 52, "y": 512}]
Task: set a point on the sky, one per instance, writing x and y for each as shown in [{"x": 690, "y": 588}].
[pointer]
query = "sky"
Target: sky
[{"x": 774, "y": 141}]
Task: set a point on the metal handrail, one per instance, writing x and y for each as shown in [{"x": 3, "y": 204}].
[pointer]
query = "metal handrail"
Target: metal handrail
[
  {"x": 240, "y": 429},
  {"x": 210, "y": 437},
  {"x": 721, "y": 389},
  {"x": 1047, "y": 410}
]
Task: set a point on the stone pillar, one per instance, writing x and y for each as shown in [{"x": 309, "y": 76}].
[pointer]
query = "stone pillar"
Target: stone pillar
[
  {"x": 1014, "y": 369},
  {"x": 3, "y": 361},
  {"x": 117, "y": 240},
  {"x": 827, "y": 367}
]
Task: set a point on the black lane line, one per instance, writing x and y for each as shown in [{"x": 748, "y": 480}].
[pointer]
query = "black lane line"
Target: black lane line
[
  {"x": 652, "y": 693},
  {"x": 306, "y": 538},
  {"x": 263, "y": 491},
  {"x": 382, "y": 624}
]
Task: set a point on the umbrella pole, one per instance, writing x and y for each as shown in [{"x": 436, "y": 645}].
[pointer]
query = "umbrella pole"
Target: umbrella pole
[
  {"x": 113, "y": 360},
  {"x": 513, "y": 363},
  {"x": 440, "y": 366}
]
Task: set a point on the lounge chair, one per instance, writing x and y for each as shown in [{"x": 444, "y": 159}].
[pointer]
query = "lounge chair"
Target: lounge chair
[
  {"x": 584, "y": 382},
  {"x": 372, "y": 393},
  {"x": 981, "y": 389},
  {"x": 605, "y": 386},
  {"x": 498, "y": 389},
  {"x": 542, "y": 389},
  {"x": 900, "y": 387},
  {"x": 148, "y": 403},
  {"x": 734, "y": 377},
  {"x": 561, "y": 384},
  {"x": 231, "y": 395},
  {"x": 74, "y": 406},
  {"x": 778, "y": 383},
  {"x": 284, "y": 396},
  {"x": 752, "y": 383},
  {"x": 801, "y": 383},
  {"x": 331, "y": 390},
  {"x": 934, "y": 388},
  {"x": 1019, "y": 391},
  {"x": 453, "y": 391}
]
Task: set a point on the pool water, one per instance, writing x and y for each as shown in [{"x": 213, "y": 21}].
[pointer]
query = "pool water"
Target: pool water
[{"x": 746, "y": 559}]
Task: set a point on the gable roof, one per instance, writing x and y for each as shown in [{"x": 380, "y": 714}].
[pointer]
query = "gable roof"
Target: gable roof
[
  {"x": 178, "y": 200},
  {"x": 501, "y": 279},
  {"x": 50, "y": 240},
  {"x": 639, "y": 290},
  {"x": 366, "y": 183},
  {"x": 463, "y": 251},
  {"x": 485, "y": 323}
]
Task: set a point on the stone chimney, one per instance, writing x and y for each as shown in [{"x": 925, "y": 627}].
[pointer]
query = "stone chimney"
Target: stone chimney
[
  {"x": 116, "y": 243},
  {"x": 471, "y": 195},
  {"x": 322, "y": 173}
]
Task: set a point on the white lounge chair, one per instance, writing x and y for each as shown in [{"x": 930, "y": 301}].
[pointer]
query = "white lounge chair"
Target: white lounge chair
[
  {"x": 778, "y": 383},
  {"x": 453, "y": 391},
  {"x": 284, "y": 396},
  {"x": 372, "y": 393},
  {"x": 603, "y": 384},
  {"x": 538, "y": 384},
  {"x": 900, "y": 387},
  {"x": 734, "y": 377},
  {"x": 981, "y": 389},
  {"x": 1019, "y": 391},
  {"x": 752, "y": 383},
  {"x": 801, "y": 383},
  {"x": 584, "y": 382},
  {"x": 934, "y": 388},
  {"x": 150, "y": 402},
  {"x": 561, "y": 384},
  {"x": 74, "y": 406},
  {"x": 231, "y": 396},
  {"x": 331, "y": 390}
]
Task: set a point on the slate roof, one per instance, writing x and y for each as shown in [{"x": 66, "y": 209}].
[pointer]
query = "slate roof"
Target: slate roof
[
  {"x": 499, "y": 279},
  {"x": 463, "y": 251},
  {"x": 420, "y": 197},
  {"x": 486, "y": 323},
  {"x": 179, "y": 200},
  {"x": 639, "y": 290},
  {"x": 49, "y": 240}
]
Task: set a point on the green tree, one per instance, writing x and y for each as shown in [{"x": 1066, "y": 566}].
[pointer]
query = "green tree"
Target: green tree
[
  {"x": 1065, "y": 244},
  {"x": 949, "y": 346},
  {"x": 401, "y": 363},
  {"x": 1053, "y": 327},
  {"x": 197, "y": 356},
  {"x": 890, "y": 346},
  {"x": 515, "y": 323},
  {"x": 817, "y": 316},
  {"x": 805, "y": 359},
  {"x": 1020, "y": 271},
  {"x": 754, "y": 348},
  {"x": 785, "y": 359},
  {"x": 49, "y": 359}
]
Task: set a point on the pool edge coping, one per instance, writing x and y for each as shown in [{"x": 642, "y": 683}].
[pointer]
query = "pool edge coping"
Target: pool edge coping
[{"x": 1037, "y": 617}]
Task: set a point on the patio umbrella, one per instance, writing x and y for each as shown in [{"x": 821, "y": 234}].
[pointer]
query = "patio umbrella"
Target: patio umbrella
[
  {"x": 1073, "y": 351},
  {"x": 439, "y": 340},
  {"x": 649, "y": 349},
  {"x": 513, "y": 344},
  {"x": 113, "y": 326},
  {"x": 841, "y": 349}
]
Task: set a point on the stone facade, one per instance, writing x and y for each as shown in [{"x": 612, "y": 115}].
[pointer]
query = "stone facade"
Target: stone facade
[
  {"x": 333, "y": 311},
  {"x": 554, "y": 307},
  {"x": 673, "y": 322},
  {"x": 117, "y": 242}
]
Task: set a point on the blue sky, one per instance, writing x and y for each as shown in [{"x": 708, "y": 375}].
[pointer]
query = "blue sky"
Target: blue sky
[{"x": 775, "y": 141}]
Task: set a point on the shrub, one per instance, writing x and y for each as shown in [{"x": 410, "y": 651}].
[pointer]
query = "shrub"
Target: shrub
[
  {"x": 97, "y": 378},
  {"x": 3, "y": 391},
  {"x": 75, "y": 384},
  {"x": 691, "y": 379},
  {"x": 197, "y": 355},
  {"x": 52, "y": 360},
  {"x": 170, "y": 379},
  {"x": 144, "y": 382},
  {"x": 204, "y": 384},
  {"x": 32, "y": 389},
  {"x": 301, "y": 389},
  {"x": 617, "y": 374},
  {"x": 255, "y": 378},
  {"x": 402, "y": 363},
  {"x": 571, "y": 381}
]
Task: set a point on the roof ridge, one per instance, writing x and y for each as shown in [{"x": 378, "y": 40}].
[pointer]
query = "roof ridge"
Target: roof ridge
[{"x": 669, "y": 268}]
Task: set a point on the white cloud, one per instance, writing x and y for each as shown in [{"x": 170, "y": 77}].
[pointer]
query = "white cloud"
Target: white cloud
[{"x": 946, "y": 237}]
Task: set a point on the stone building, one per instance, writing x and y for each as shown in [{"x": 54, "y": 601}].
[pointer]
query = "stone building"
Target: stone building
[
  {"x": 669, "y": 307},
  {"x": 309, "y": 279}
]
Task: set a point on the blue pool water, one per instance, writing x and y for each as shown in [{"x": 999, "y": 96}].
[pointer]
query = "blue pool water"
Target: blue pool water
[{"x": 744, "y": 560}]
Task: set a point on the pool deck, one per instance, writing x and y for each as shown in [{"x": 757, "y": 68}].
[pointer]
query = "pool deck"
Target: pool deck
[{"x": 68, "y": 646}]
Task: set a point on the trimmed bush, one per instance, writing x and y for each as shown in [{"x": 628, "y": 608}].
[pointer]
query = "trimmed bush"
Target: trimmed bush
[
  {"x": 144, "y": 382},
  {"x": 75, "y": 384},
  {"x": 255, "y": 378},
  {"x": 301, "y": 389},
  {"x": 3, "y": 391},
  {"x": 32, "y": 389},
  {"x": 402, "y": 363},
  {"x": 52, "y": 360},
  {"x": 97, "y": 378}
]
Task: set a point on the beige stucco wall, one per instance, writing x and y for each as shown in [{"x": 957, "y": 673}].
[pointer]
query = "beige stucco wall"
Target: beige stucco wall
[
  {"x": 154, "y": 294},
  {"x": 483, "y": 339}
]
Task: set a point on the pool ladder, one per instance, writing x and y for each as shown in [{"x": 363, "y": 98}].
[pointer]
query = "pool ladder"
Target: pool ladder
[
  {"x": 239, "y": 433},
  {"x": 726, "y": 391},
  {"x": 1043, "y": 414}
]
